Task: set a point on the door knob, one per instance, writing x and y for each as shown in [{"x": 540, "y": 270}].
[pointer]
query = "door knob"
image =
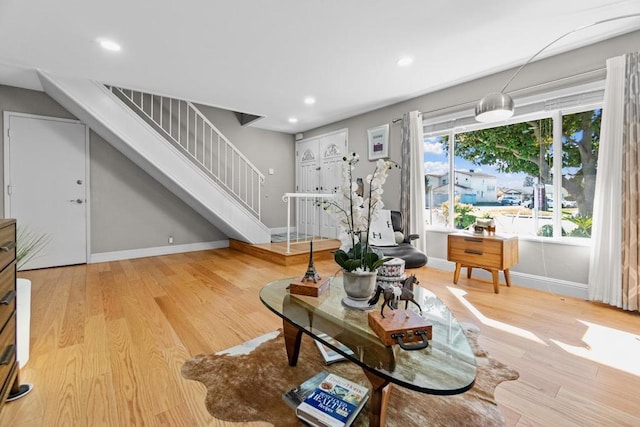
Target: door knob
[{"x": 78, "y": 201}]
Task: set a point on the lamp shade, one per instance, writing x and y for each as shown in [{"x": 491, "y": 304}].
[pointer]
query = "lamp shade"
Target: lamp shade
[{"x": 494, "y": 107}]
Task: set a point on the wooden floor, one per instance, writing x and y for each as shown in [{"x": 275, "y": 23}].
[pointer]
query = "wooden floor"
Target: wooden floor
[{"x": 108, "y": 341}]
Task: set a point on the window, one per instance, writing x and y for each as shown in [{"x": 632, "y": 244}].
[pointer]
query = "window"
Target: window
[
  {"x": 534, "y": 177},
  {"x": 436, "y": 179}
]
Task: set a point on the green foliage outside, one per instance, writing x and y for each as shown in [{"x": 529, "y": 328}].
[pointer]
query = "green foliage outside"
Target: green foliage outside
[
  {"x": 584, "y": 224},
  {"x": 526, "y": 147},
  {"x": 583, "y": 229},
  {"x": 463, "y": 215}
]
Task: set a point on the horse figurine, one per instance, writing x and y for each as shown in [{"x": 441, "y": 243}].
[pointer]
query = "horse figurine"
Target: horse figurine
[{"x": 392, "y": 294}]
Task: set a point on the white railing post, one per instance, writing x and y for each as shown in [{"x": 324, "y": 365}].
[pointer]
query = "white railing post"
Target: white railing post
[
  {"x": 228, "y": 179},
  {"x": 298, "y": 197}
]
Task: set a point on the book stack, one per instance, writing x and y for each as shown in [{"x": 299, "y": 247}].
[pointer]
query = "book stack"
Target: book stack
[{"x": 335, "y": 402}]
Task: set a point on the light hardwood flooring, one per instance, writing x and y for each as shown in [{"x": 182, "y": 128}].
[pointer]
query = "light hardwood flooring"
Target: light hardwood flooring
[{"x": 108, "y": 341}]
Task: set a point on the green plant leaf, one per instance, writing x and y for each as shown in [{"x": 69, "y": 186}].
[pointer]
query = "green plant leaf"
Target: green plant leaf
[{"x": 28, "y": 245}]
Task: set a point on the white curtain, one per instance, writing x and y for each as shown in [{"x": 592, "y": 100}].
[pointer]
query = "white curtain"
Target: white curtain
[
  {"x": 412, "y": 188},
  {"x": 605, "y": 266}
]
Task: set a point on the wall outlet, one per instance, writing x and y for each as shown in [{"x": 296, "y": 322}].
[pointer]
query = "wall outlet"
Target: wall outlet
[
  {"x": 171, "y": 240},
  {"x": 271, "y": 171}
]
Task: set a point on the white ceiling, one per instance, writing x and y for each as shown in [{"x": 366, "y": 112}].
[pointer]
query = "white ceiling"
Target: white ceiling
[{"x": 263, "y": 57}]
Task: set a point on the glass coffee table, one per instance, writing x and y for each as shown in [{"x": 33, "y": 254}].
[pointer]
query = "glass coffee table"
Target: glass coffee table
[{"x": 446, "y": 367}]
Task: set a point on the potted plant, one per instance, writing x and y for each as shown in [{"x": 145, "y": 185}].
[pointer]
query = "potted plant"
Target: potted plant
[
  {"x": 28, "y": 245},
  {"x": 358, "y": 260}
]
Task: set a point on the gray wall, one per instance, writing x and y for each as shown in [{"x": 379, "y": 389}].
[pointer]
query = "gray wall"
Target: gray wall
[
  {"x": 129, "y": 209},
  {"x": 265, "y": 149},
  {"x": 557, "y": 261}
]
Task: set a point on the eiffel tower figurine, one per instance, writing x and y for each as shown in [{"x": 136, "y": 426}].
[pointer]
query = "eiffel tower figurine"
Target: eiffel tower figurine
[{"x": 311, "y": 274}]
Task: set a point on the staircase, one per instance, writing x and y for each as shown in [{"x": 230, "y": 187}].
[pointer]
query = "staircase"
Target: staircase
[{"x": 175, "y": 144}]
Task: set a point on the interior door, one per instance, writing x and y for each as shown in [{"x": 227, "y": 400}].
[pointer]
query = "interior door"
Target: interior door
[
  {"x": 319, "y": 170},
  {"x": 308, "y": 164},
  {"x": 45, "y": 179},
  {"x": 333, "y": 148}
]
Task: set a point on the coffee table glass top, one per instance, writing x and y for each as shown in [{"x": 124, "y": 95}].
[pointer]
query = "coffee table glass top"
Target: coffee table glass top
[{"x": 447, "y": 366}]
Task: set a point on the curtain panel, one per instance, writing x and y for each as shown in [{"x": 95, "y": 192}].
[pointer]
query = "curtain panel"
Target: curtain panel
[
  {"x": 631, "y": 185},
  {"x": 614, "y": 272},
  {"x": 412, "y": 199}
]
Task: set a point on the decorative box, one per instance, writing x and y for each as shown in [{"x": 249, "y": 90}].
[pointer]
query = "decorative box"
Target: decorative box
[{"x": 392, "y": 268}]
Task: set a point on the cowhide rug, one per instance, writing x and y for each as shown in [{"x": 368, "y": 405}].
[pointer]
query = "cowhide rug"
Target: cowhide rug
[{"x": 249, "y": 387}]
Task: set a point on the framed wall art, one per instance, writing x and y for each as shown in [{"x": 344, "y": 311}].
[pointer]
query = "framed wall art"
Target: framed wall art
[{"x": 378, "y": 142}]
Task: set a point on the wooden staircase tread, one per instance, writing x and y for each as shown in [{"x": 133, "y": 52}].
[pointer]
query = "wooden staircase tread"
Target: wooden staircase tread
[{"x": 277, "y": 252}]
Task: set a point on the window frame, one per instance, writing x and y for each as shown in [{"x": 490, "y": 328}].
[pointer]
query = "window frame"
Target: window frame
[{"x": 552, "y": 105}]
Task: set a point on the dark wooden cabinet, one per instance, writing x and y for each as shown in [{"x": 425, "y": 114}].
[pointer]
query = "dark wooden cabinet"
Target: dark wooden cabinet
[{"x": 8, "y": 362}]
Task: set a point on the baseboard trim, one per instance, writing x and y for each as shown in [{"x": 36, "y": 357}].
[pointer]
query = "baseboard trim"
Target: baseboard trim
[
  {"x": 541, "y": 283},
  {"x": 161, "y": 250}
]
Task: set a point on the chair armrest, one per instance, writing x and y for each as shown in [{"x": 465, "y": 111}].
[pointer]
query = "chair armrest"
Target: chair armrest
[{"x": 411, "y": 237}]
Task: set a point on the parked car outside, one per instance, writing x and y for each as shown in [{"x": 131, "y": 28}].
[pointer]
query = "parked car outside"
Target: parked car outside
[
  {"x": 511, "y": 200},
  {"x": 569, "y": 204}
]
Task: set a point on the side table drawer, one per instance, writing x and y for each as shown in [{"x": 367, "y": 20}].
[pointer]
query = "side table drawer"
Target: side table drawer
[
  {"x": 476, "y": 244},
  {"x": 7, "y": 293},
  {"x": 475, "y": 258}
]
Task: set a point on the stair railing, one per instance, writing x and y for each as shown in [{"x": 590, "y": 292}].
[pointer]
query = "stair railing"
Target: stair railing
[
  {"x": 300, "y": 208},
  {"x": 191, "y": 132}
]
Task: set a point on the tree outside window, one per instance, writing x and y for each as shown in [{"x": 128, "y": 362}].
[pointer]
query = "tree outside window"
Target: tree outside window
[{"x": 520, "y": 156}]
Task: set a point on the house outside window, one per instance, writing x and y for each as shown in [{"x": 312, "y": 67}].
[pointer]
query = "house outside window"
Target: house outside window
[{"x": 534, "y": 175}]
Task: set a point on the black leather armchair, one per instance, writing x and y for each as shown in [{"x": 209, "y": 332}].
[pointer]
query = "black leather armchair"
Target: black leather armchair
[{"x": 413, "y": 258}]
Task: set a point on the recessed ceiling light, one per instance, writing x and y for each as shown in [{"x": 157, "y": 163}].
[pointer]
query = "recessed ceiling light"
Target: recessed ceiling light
[
  {"x": 109, "y": 45},
  {"x": 293, "y": 120},
  {"x": 309, "y": 100},
  {"x": 405, "y": 61}
]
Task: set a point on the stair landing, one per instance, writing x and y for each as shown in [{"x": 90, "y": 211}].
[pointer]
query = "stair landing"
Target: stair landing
[{"x": 277, "y": 252}]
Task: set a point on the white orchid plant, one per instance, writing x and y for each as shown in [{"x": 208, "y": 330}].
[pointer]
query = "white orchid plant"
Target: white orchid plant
[{"x": 355, "y": 214}]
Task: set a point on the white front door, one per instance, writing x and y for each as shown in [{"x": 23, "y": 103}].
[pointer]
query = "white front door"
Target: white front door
[
  {"x": 46, "y": 184},
  {"x": 308, "y": 162},
  {"x": 333, "y": 148}
]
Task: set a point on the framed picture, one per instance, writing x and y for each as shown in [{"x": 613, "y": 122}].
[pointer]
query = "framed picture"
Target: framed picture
[{"x": 378, "y": 141}]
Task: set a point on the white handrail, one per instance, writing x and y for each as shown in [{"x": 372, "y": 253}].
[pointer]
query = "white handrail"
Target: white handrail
[
  {"x": 197, "y": 138},
  {"x": 287, "y": 197}
]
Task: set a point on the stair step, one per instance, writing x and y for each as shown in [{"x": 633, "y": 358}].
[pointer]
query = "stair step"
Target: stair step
[{"x": 276, "y": 252}]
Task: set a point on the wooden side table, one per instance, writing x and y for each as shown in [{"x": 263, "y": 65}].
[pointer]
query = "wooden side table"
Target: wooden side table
[{"x": 492, "y": 253}]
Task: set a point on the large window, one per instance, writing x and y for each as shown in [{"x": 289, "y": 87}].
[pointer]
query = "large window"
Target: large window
[{"x": 533, "y": 177}]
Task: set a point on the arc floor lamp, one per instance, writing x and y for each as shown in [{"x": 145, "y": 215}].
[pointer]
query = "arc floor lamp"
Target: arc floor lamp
[{"x": 498, "y": 106}]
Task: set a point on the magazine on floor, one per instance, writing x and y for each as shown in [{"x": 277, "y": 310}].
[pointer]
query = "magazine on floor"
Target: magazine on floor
[
  {"x": 336, "y": 402},
  {"x": 297, "y": 395}
]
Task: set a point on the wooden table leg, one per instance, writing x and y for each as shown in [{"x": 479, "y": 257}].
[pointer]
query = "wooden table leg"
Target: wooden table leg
[
  {"x": 292, "y": 340},
  {"x": 456, "y": 274},
  {"x": 507, "y": 277},
  {"x": 496, "y": 288},
  {"x": 379, "y": 399},
  {"x": 469, "y": 270}
]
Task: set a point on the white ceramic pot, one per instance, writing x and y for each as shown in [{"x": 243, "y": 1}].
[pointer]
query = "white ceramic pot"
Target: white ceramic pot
[
  {"x": 359, "y": 286},
  {"x": 23, "y": 320}
]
